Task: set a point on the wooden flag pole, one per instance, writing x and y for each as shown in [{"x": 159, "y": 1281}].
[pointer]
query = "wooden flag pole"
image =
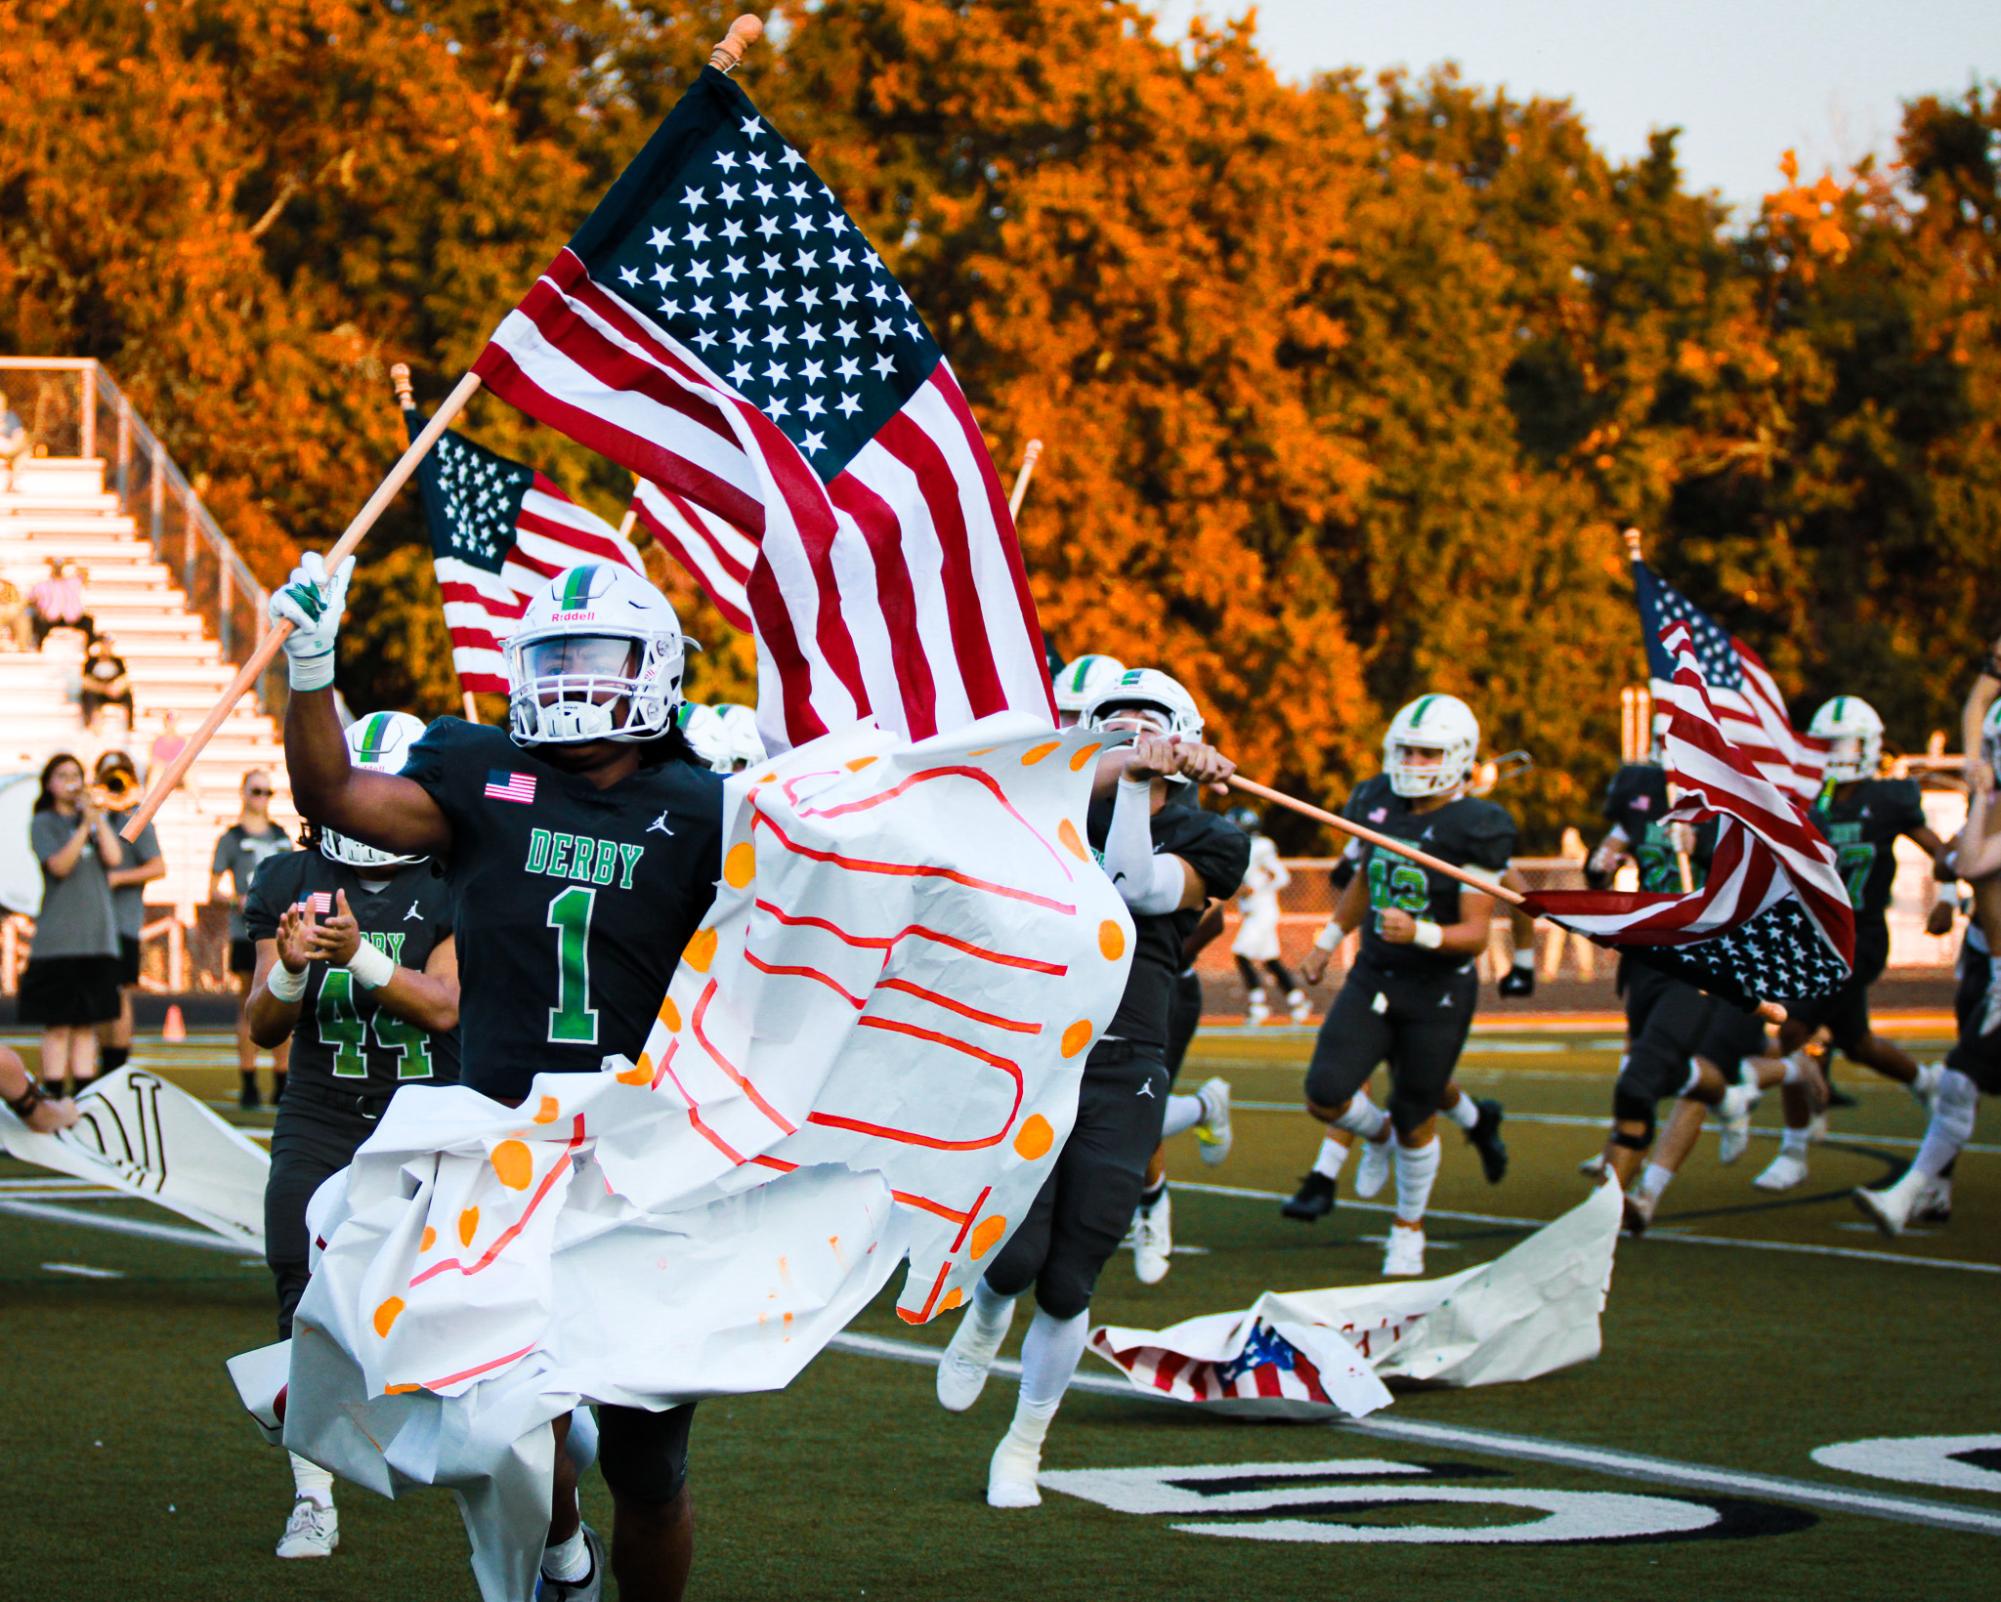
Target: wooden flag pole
[
  {"x": 471, "y": 706},
  {"x": 275, "y": 637},
  {"x": 1030, "y": 455},
  {"x": 406, "y": 397}
]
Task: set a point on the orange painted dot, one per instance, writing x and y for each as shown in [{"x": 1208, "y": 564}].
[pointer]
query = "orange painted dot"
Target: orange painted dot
[
  {"x": 1083, "y": 755},
  {"x": 859, "y": 763},
  {"x": 701, "y": 950},
  {"x": 670, "y": 1014},
  {"x": 740, "y": 866},
  {"x": 1066, "y": 831},
  {"x": 468, "y": 1225},
  {"x": 1111, "y": 940},
  {"x": 430, "y": 1239},
  {"x": 513, "y": 1165},
  {"x": 387, "y": 1314},
  {"x": 1076, "y": 1037},
  {"x": 549, "y": 1111},
  {"x": 985, "y": 750},
  {"x": 400, "y": 1390},
  {"x": 987, "y": 1234},
  {"x": 951, "y": 1299},
  {"x": 1035, "y": 753},
  {"x": 768, "y": 777},
  {"x": 1034, "y": 1138},
  {"x": 640, "y": 1073}
]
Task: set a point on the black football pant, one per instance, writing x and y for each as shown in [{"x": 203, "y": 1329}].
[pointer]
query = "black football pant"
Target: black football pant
[
  {"x": 1416, "y": 1023},
  {"x": 308, "y": 1144}
]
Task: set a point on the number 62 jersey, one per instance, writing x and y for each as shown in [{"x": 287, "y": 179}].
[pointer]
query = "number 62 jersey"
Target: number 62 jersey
[
  {"x": 1465, "y": 832},
  {"x": 344, "y": 1040}
]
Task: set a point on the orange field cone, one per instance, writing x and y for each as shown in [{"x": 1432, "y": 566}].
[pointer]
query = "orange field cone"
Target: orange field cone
[{"x": 175, "y": 1028}]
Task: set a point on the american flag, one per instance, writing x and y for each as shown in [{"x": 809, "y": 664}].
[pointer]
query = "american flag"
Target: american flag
[
  {"x": 1741, "y": 689},
  {"x": 716, "y": 552},
  {"x": 501, "y": 785},
  {"x": 721, "y": 328},
  {"x": 1772, "y": 920},
  {"x": 499, "y": 532}
]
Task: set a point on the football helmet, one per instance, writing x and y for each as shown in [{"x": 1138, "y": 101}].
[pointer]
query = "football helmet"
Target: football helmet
[
  {"x": 1078, "y": 681},
  {"x": 377, "y": 742},
  {"x": 703, "y": 730},
  {"x": 1441, "y": 723},
  {"x": 594, "y": 639},
  {"x": 1854, "y": 736},
  {"x": 1247, "y": 819},
  {"x": 1158, "y": 695},
  {"x": 742, "y": 744}
]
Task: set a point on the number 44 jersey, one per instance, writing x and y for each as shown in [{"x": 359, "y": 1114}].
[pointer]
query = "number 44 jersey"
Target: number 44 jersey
[
  {"x": 344, "y": 1040},
  {"x": 1464, "y": 832},
  {"x": 573, "y": 903}
]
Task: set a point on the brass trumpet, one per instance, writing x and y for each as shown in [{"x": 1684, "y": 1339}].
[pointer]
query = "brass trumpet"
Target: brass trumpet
[{"x": 118, "y": 791}]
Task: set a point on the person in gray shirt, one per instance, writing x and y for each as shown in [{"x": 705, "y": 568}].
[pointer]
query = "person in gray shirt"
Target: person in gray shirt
[
  {"x": 117, "y": 786},
  {"x": 71, "y": 982},
  {"x": 244, "y": 844}
]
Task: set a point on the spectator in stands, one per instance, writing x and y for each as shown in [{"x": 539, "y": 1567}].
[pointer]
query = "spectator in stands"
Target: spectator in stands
[
  {"x": 16, "y": 631},
  {"x": 71, "y": 982},
  {"x": 244, "y": 844},
  {"x": 106, "y": 682},
  {"x": 118, "y": 791},
  {"x": 41, "y": 1113},
  {"x": 57, "y": 603},
  {"x": 167, "y": 745},
  {"x": 14, "y": 443}
]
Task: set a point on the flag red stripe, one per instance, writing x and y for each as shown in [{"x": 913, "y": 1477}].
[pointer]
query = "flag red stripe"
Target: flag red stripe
[
  {"x": 454, "y": 590},
  {"x": 587, "y": 546},
  {"x": 895, "y": 597}
]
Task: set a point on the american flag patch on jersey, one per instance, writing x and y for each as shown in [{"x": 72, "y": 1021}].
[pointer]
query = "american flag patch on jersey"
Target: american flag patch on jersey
[
  {"x": 320, "y": 904},
  {"x": 501, "y": 785}
]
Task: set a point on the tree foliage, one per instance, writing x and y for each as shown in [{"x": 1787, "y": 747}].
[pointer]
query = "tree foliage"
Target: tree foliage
[{"x": 1346, "y": 388}]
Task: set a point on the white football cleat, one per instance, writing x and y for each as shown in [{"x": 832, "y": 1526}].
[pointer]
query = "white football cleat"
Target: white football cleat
[
  {"x": 1934, "y": 1202},
  {"x": 1783, "y": 1173},
  {"x": 1256, "y": 1009},
  {"x": 1153, "y": 1241},
  {"x": 1640, "y": 1211},
  {"x": 1403, "y": 1257},
  {"x": 1924, "y": 1088},
  {"x": 1816, "y": 1129},
  {"x": 1593, "y": 1167},
  {"x": 962, "y": 1372},
  {"x": 313, "y": 1530},
  {"x": 1733, "y": 1122},
  {"x": 1299, "y": 1006},
  {"x": 590, "y": 1588},
  {"x": 1889, "y": 1209},
  {"x": 1011, "y": 1475},
  {"x": 1372, "y": 1169},
  {"x": 1213, "y": 1134}
]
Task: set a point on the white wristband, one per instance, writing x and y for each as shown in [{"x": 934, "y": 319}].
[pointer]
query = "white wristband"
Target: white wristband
[
  {"x": 310, "y": 672},
  {"x": 1330, "y": 937},
  {"x": 285, "y": 985},
  {"x": 1427, "y": 934},
  {"x": 371, "y": 968}
]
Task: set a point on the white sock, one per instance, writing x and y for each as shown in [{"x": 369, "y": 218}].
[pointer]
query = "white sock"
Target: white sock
[
  {"x": 1654, "y": 1179},
  {"x": 1183, "y": 1113},
  {"x": 309, "y": 1479},
  {"x": 1363, "y": 1118},
  {"x": 1417, "y": 1172},
  {"x": 1795, "y": 1068},
  {"x": 1333, "y": 1154},
  {"x": 1464, "y": 1112},
  {"x": 567, "y": 1560},
  {"x": 989, "y": 1309},
  {"x": 1793, "y": 1142},
  {"x": 1255, "y": 997},
  {"x": 1050, "y": 1353},
  {"x": 1950, "y": 1126}
]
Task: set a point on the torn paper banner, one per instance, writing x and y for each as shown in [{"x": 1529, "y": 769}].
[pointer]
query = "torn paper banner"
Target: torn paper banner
[
  {"x": 138, "y": 1134},
  {"x": 870, "y": 1052},
  {"x": 1310, "y": 1353}
]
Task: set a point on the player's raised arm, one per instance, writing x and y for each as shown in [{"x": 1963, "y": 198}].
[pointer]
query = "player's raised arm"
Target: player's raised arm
[{"x": 380, "y": 808}]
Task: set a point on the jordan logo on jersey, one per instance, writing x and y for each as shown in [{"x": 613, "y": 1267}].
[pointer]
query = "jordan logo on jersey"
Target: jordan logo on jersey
[
  {"x": 413, "y": 915},
  {"x": 582, "y": 857},
  {"x": 659, "y": 825}
]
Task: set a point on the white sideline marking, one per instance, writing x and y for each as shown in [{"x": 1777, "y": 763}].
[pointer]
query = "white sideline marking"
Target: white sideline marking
[
  {"x": 1531, "y": 1448},
  {"x": 83, "y": 1271},
  {"x": 1667, "y": 1231},
  {"x": 177, "y": 1234}
]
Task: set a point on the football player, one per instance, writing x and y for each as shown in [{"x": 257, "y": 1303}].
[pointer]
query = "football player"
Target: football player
[
  {"x": 1973, "y": 1066},
  {"x": 1078, "y": 684},
  {"x": 1168, "y": 862},
  {"x": 1256, "y": 945},
  {"x": 584, "y": 845},
  {"x": 1862, "y": 816},
  {"x": 1408, "y": 1000},
  {"x": 356, "y": 968}
]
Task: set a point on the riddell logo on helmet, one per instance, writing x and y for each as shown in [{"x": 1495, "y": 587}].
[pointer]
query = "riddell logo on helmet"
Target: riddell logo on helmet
[{"x": 572, "y": 617}]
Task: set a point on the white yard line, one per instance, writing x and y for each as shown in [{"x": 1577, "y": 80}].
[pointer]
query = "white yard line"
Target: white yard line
[
  {"x": 175, "y": 1234},
  {"x": 83, "y": 1271},
  {"x": 1531, "y": 1448}
]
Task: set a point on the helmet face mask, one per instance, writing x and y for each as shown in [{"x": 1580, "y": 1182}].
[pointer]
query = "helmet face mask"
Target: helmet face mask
[
  {"x": 1146, "y": 701},
  {"x": 1854, "y": 735},
  {"x": 1431, "y": 746},
  {"x": 377, "y": 742},
  {"x": 598, "y": 656}
]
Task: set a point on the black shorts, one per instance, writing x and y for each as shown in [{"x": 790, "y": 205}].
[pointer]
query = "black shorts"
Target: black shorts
[
  {"x": 243, "y": 956},
  {"x": 1417, "y": 1023},
  {"x": 307, "y": 1144},
  {"x": 1977, "y": 1052},
  {"x": 62, "y": 992},
  {"x": 1845, "y": 1014},
  {"x": 1184, "y": 1014},
  {"x": 1081, "y": 1213},
  {"x": 1641, "y": 985},
  {"x": 128, "y": 960},
  {"x": 1682, "y": 1024},
  {"x": 643, "y": 1455}
]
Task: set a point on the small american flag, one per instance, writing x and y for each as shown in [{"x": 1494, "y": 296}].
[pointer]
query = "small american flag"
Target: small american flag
[
  {"x": 1772, "y": 920},
  {"x": 499, "y": 532},
  {"x": 502, "y": 785},
  {"x": 320, "y": 904},
  {"x": 720, "y": 328},
  {"x": 1741, "y": 689}
]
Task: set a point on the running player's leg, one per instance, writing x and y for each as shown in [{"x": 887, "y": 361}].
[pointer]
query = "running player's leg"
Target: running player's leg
[
  {"x": 644, "y": 1459},
  {"x": 1430, "y": 1021},
  {"x": 1640, "y": 989},
  {"x": 1724, "y": 1076},
  {"x": 962, "y": 1372},
  {"x": 1354, "y": 1037},
  {"x": 1655, "y": 1066},
  {"x": 1481, "y": 1120}
]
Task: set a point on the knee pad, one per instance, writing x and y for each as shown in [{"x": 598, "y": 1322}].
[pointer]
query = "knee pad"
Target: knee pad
[
  {"x": 644, "y": 1456},
  {"x": 1628, "y": 1108},
  {"x": 1957, "y": 1104}
]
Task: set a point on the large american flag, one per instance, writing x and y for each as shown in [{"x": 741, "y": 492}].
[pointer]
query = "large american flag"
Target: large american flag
[
  {"x": 721, "y": 328},
  {"x": 717, "y": 553},
  {"x": 499, "y": 532},
  {"x": 1772, "y": 920},
  {"x": 1741, "y": 689}
]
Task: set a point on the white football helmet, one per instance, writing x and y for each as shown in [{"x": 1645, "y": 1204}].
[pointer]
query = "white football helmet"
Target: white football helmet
[
  {"x": 703, "y": 730},
  {"x": 742, "y": 744},
  {"x": 594, "y": 639},
  {"x": 1147, "y": 690},
  {"x": 1854, "y": 735},
  {"x": 1079, "y": 681},
  {"x": 1441, "y": 723},
  {"x": 377, "y": 742}
]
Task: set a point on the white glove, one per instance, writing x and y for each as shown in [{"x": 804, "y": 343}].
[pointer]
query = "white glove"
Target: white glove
[{"x": 312, "y": 601}]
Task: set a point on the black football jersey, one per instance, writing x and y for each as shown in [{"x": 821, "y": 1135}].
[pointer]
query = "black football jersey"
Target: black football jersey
[
  {"x": 344, "y": 1039},
  {"x": 1862, "y": 821},
  {"x": 1218, "y": 851},
  {"x": 1635, "y": 802},
  {"x": 573, "y": 903},
  {"x": 1464, "y": 832}
]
